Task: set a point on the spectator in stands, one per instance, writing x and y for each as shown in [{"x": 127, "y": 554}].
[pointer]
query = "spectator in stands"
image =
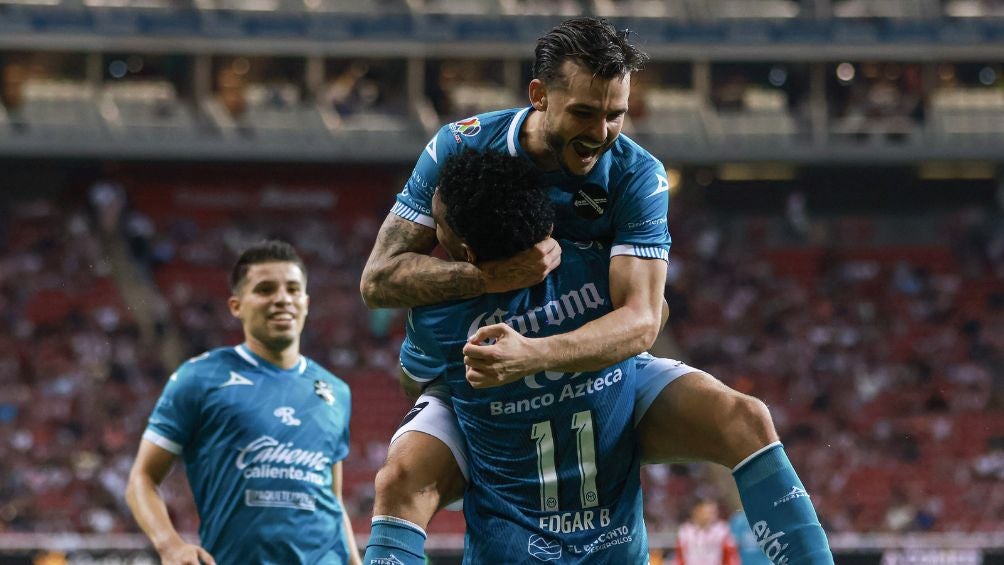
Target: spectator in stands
[{"x": 263, "y": 431}]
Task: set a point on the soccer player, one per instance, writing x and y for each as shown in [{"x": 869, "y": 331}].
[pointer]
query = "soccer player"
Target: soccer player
[
  {"x": 262, "y": 430},
  {"x": 705, "y": 539},
  {"x": 607, "y": 188},
  {"x": 746, "y": 542},
  {"x": 554, "y": 461}
]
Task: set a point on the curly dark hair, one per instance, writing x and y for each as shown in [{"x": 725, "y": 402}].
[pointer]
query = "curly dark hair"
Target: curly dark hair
[
  {"x": 495, "y": 203},
  {"x": 591, "y": 42},
  {"x": 269, "y": 251}
]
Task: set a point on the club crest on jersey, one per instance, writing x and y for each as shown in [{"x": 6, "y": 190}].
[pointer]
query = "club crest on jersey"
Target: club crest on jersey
[
  {"x": 323, "y": 390},
  {"x": 590, "y": 202},
  {"x": 468, "y": 128}
]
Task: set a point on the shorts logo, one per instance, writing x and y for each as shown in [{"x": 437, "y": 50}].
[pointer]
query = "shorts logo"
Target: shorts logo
[
  {"x": 469, "y": 127},
  {"x": 543, "y": 549},
  {"x": 413, "y": 412},
  {"x": 285, "y": 413}
]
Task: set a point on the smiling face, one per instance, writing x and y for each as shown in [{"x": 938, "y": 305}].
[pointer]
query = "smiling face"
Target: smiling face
[
  {"x": 582, "y": 115},
  {"x": 271, "y": 303}
]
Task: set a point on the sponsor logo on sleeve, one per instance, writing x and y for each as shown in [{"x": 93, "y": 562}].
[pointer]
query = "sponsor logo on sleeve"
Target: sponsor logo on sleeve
[
  {"x": 467, "y": 128},
  {"x": 431, "y": 150},
  {"x": 662, "y": 186}
]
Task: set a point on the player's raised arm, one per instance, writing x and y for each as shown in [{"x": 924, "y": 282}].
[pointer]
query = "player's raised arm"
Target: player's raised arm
[
  {"x": 151, "y": 466},
  {"x": 400, "y": 273}
]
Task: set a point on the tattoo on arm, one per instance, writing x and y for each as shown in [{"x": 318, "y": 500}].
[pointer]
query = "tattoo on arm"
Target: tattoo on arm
[{"x": 400, "y": 273}]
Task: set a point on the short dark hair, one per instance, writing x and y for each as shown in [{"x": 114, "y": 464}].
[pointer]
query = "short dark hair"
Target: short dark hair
[
  {"x": 268, "y": 251},
  {"x": 591, "y": 42},
  {"x": 495, "y": 203}
]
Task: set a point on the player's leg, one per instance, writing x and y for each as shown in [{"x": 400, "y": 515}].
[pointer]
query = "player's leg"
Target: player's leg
[
  {"x": 424, "y": 471},
  {"x": 686, "y": 414}
]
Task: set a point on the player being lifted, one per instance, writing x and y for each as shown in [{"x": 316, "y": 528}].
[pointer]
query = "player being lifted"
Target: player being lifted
[
  {"x": 607, "y": 188},
  {"x": 554, "y": 461},
  {"x": 262, "y": 429}
]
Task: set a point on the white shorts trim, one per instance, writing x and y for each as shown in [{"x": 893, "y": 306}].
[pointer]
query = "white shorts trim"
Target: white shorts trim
[{"x": 437, "y": 419}]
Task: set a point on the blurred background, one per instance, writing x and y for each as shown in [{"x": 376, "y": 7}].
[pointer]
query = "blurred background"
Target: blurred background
[{"x": 837, "y": 213}]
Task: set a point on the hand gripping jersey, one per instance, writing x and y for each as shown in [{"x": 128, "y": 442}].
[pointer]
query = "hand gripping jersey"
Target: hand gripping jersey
[
  {"x": 259, "y": 444},
  {"x": 622, "y": 202},
  {"x": 554, "y": 461}
]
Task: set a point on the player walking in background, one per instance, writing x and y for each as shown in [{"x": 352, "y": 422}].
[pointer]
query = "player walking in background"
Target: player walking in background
[
  {"x": 705, "y": 539},
  {"x": 746, "y": 542},
  {"x": 554, "y": 463},
  {"x": 262, "y": 429},
  {"x": 605, "y": 188}
]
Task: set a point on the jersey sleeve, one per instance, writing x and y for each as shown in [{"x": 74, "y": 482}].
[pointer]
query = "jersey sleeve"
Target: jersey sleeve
[
  {"x": 176, "y": 414},
  {"x": 344, "y": 399},
  {"x": 640, "y": 215},
  {"x": 414, "y": 202},
  {"x": 421, "y": 358}
]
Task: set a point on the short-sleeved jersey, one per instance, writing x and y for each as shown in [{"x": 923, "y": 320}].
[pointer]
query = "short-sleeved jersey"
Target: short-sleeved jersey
[
  {"x": 259, "y": 444},
  {"x": 622, "y": 202},
  {"x": 554, "y": 472}
]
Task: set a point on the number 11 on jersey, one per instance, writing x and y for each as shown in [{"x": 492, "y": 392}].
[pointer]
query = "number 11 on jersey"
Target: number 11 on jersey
[{"x": 547, "y": 471}]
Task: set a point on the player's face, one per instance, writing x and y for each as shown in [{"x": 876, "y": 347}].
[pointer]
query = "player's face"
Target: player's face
[
  {"x": 584, "y": 118},
  {"x": 450, "y": 241},
  {"x": 272, "y": 304}
]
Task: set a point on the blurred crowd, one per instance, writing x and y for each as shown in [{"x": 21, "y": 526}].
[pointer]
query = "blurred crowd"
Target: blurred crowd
[{"x": 883, "y": 367}]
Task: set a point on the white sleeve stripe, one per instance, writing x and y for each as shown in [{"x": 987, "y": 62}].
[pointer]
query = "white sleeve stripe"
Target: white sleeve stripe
[
  {"x": 413, "y": 215},
  {"x": 161, "y": 441},
  {"x": 640, "y": 251},
  {"x": 513, "y": 127},
  {"x": 413, "y": 377}
]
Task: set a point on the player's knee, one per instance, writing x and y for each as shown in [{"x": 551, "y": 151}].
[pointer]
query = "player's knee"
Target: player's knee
[
  {"x": 750, "y": 425},
  {"x": 400, "y": 483}
]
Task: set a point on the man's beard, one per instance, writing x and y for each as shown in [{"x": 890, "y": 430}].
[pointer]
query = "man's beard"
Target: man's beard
[{"x": 557, "y": 144}]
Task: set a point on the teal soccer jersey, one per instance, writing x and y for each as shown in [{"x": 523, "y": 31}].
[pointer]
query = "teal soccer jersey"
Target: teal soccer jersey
[
  {"x": 259, "y": 443},
  {"x": 622, "y": 202},
  {"x": 554, "y": 462}
]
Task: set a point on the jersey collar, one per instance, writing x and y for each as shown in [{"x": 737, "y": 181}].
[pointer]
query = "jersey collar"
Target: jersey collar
[{"x": 252, "y": 358}]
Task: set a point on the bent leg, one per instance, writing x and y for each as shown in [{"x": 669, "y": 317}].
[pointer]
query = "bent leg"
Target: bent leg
[
  {"x": 697, "y": 417},
  {"x": 424, "y": 470}
]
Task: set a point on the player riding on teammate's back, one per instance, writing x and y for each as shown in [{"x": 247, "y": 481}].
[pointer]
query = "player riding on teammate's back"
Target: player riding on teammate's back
[{"x": 554, "y": 460}]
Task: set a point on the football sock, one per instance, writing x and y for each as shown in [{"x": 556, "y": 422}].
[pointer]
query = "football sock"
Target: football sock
[
  {"x": 779, "y": 509},
  {"x": 395, "y": 541}
]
